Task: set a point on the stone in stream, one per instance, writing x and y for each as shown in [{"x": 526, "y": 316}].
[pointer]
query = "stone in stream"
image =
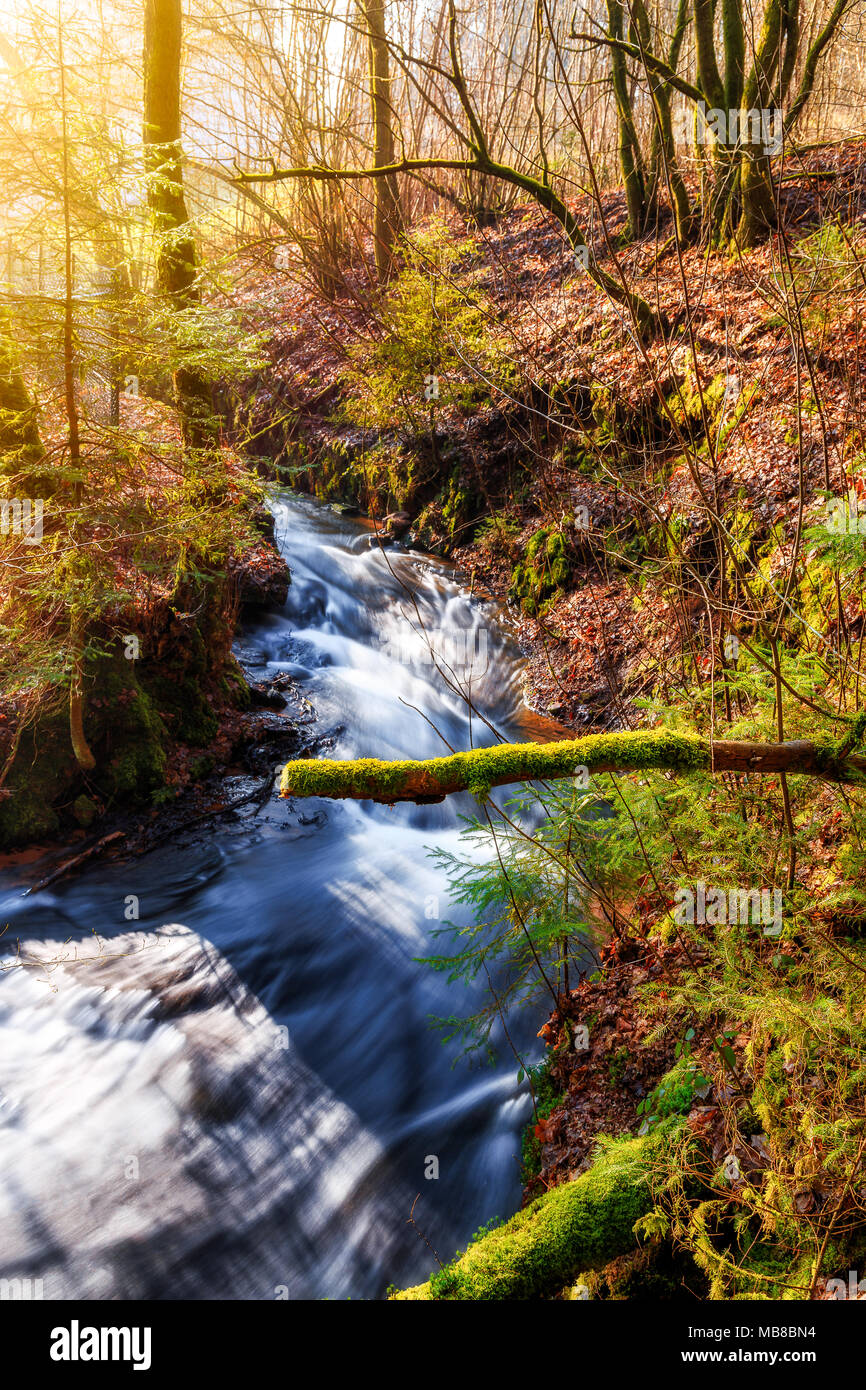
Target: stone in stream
[
  {"x": 266, "y": 695},
  {"x": 395, "y": 526}
]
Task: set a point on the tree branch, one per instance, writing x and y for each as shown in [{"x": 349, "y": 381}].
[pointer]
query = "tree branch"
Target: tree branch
[
  {"x": 656, "y": 65},
  {"x": 320, "y": 171},
  {"x": 810, "y": 67},
  {"x": 370, "y": 779}
]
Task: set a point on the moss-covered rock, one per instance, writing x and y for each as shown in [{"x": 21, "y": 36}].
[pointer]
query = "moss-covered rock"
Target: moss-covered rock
[
  {"x": 137, "y": 758},
  {"x": 134, "y": 710},
  {"x": 655, "y": 1271},
  {"x": 234, "y": 685},
  {"x": 42, "y": 774},
  {"x": 85, "y": 810},
  {"x": 544, "y": 572},
  {"x": 742, "y": 527}
]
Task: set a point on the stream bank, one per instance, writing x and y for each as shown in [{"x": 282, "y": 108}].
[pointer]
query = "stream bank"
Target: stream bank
[{"x": 169, "y": 711}]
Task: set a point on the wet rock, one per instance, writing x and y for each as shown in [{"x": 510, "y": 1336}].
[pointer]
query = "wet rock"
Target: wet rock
[
  {"x": 395, "y": 526},
  {"x": 267, "y": 696},
  {"x": 262, "y": 581},
  {"x": 264, "y": 521}
]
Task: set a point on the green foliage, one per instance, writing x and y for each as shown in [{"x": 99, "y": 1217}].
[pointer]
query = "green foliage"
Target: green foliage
[
  {"x": 677, "y": 1091},
  {"x": 434, "y": 321},
  {"x": 768, "y": 1025},
  {"x": 528, "y": 877},
  {"x": 824, "y": 268},
  {"x": 546, "y": 1097},
  {"x": 138, "y": 533},
  {"x": 496, "y": 534}
]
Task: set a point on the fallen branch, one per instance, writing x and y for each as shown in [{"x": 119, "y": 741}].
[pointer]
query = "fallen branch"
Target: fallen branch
[
  {"x": 69, "y": 864},
  {"x": 259, "y": 795},
  {"x": 477, "y": 771}
]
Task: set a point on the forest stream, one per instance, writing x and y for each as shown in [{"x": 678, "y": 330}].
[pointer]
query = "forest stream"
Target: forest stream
[{"x": 238, "y": 1094}]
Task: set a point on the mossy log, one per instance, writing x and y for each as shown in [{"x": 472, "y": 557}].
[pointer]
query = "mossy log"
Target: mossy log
[
  {"x": 477, "y": 771},
  {"x": 577, "y": 1226}
]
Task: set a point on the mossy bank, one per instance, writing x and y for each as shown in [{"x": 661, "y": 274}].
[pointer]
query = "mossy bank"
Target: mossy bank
[{"x": 154, "y": 701}]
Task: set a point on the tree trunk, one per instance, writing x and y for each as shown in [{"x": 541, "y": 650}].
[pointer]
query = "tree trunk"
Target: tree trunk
[
  {"x": 387, "y": 220},
  {"x": 757, "y": 204},
  {"x": 663, "y": 155},
  {"x": 177, "y": 262},
  {"x": 630, "y": 159},
  {"x": 80, "y": 746},
  {"x": 21, "y": 447}
]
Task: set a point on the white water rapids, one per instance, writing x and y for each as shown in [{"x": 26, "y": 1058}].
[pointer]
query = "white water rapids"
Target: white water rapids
[{"x": 243, "y": 1106}]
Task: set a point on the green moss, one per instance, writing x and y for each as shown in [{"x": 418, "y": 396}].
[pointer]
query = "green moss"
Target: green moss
[
  {"x": 751, "y": 1269},
  {"x": 192, "y": 660},
  {"x": 604, "y": 406},
  {"x": 483, "y": 768},
  {"x": 26, "y": 815},
  {"x": 42, "y": 774},
  {"x": 685, "y": 403},
  {"x": 580, "y": 1225},
  {"x": 656, "y": 1271},
  {"x": 85, "y": 810},
  {"x": 548, "y": 1096},
  {"x": 741, "y": 526},
  {"x": 817, "y": 598},
  {"x": 675, "y": 1094},
  {"x": 543, "y": 573},
  {"x": 127, "y": 732},
  {"x": 186, "y": 706},
  {"x": 457, "y": 504},
  {"x": 234, "y": 685},
  {"x": 761, "y": 576},
  {"x": 133, "y": 710}
]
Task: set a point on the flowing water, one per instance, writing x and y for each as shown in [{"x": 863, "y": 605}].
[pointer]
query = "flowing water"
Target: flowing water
[{"x": 239, "y": 1094}]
